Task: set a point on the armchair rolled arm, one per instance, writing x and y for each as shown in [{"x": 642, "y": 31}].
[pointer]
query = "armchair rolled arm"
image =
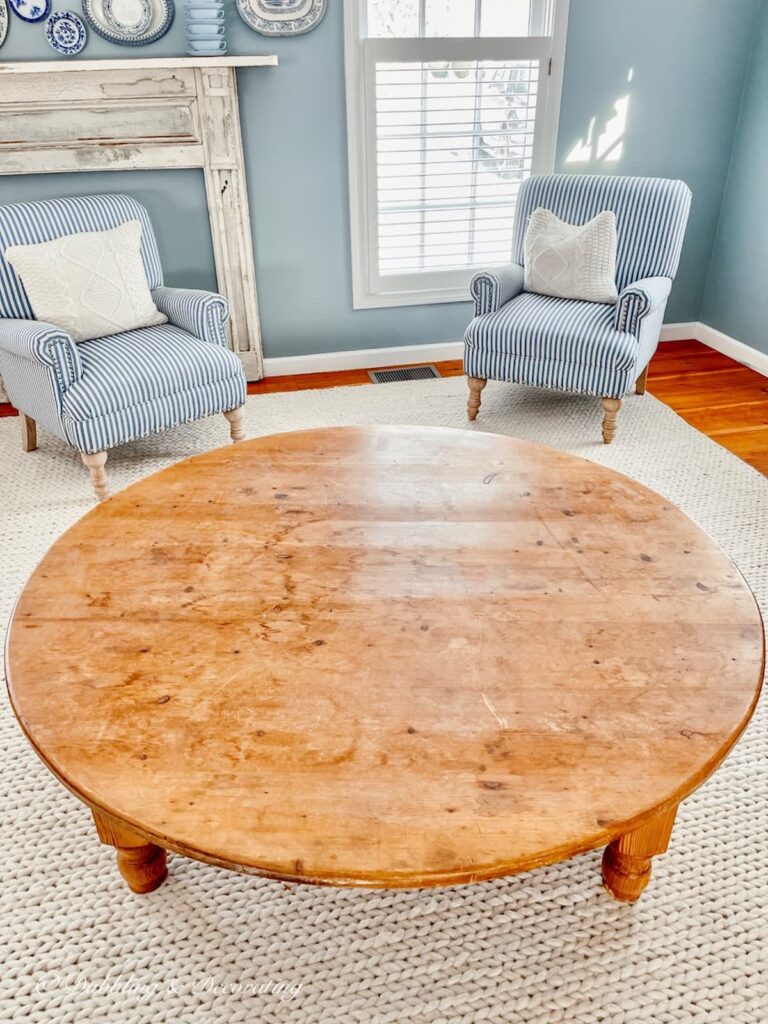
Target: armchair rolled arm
[
  {"x": 203, "y": 314},
  {"x": 638, "y": 300},
  {"x": 44, "y": 343},
  {"x": 491, "y": 289}
]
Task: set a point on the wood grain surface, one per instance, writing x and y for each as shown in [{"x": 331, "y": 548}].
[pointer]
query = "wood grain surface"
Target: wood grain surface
[{"x": 385, "y": 657}]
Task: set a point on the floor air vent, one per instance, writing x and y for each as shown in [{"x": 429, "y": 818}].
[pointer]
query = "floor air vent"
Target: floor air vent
[{"x": 404, "y": 373}]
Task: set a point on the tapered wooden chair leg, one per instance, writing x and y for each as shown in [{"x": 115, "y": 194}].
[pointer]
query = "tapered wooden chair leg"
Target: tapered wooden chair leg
[
  {"x": 95, "y": 463},
  {"x": 476, "y": 385},
  {"x": 642, "y": 380},
  {"x": 235, "y": 417},
  {"x": 611, "y": 408},
  {"x": 28, "y": 433}
]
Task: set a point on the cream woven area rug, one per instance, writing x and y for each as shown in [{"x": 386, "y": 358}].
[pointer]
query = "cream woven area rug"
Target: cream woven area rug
[{"x": 548, "y": 947}]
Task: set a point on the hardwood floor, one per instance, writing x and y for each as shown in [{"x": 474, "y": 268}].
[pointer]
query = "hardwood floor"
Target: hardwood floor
[{"x": 715, "y": 394}]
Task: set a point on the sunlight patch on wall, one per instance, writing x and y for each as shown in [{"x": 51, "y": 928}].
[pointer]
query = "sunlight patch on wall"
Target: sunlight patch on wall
[{"x": 604, "y": 141}]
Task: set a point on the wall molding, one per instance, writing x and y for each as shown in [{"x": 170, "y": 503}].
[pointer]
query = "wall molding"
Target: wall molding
[
  {"x": 402, "y": 355},
  {"x": 729, "y": 346},
  {"x": 363, "y": 358},
  {"x": 688, "y": 331}
]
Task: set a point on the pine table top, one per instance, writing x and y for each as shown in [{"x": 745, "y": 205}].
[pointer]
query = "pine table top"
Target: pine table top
[{"x": 385, "y": 656}]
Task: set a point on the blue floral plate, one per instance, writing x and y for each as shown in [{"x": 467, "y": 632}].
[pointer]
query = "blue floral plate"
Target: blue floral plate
[
  {"x": 281, "y": 17},
  {"x": 66, "y": 33},
  {"x": 30, "y": 10},
  {"x": 129, "y": 22}
]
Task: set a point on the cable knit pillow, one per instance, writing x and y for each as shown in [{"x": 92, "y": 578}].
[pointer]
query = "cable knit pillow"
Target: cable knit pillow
[
  {"x": 570, "y": 261},
  {"x": 91, "y": 283}
]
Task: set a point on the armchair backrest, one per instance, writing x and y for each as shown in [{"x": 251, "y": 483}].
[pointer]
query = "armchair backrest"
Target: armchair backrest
[
  {"x": 28, "y": 223},
  {"x": 651, "y": 217}
]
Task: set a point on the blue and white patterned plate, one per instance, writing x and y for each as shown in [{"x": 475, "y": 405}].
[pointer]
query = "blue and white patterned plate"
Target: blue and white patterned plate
[
  {"x": 66, "y": 33},
  {"x": 31, "y": 10},
  {"x": 3, "y": 21},
  {"x": 129, "y": 22},
  {"x": 281, "y": 17},
  {"x": 131, "y": 19}
]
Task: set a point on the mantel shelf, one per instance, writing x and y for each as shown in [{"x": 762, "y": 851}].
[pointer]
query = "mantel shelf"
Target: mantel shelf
[{"x": 150, "y": 63}]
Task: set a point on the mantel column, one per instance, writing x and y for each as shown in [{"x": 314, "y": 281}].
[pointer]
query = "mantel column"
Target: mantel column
[{"x": 228, "y": 210}]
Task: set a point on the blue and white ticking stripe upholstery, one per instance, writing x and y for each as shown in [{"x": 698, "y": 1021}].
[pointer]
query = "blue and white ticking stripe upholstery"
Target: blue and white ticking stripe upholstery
[
  {"x": 27, "y": 223},
  {"x": 580, "y": 346},
  {"x": 492, "y": 288},
  {"x": 640, "y": 299},
  {"x": 102, "y": 393},
  {"x": 143, "y": 381},
  {"x": 651, "y": 216},
  {"x": 552, "y": 343},
  {"x": 200, "y": 313}
]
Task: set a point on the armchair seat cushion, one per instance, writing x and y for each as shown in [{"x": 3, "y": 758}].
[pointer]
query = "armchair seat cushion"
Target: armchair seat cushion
[
  {"x": 142, "y": 381},
  {"x": 552, "y": 342}
]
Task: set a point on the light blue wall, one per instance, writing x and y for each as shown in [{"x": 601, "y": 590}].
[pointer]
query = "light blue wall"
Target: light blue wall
[
  {"x": 688, "y": 58},
  {"x": 736, "y": 296}
]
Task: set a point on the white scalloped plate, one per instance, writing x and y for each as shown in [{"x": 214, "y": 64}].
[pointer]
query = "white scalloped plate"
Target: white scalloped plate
[
  {"x": 281, "y": 17},
  {"x": 129, "y": 22}
]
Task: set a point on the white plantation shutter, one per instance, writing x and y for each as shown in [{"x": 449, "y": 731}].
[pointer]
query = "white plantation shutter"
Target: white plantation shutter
[
  {"x": 442, "y": 133},
  {"x": 452, "y": 138}
]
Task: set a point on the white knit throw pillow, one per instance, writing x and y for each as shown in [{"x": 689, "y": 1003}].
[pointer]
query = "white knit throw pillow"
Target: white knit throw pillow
[
  {"x": 90, "y": 284},
  {"x": 571, "y": 261}
]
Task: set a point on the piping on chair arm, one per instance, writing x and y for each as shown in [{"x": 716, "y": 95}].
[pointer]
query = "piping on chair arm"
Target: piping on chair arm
[
  {"x": 44, "y": 343},
  {"x": 638, "y": 300},
  {"x": 491, "y": 289},
  {"x": 203, "y": 314}
]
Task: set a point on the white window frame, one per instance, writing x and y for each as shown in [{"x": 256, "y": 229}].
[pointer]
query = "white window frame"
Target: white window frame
[{"x": 369, "y": 290}]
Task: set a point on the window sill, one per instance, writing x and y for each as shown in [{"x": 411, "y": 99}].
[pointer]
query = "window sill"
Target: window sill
[{"x": 434, "y": 296}]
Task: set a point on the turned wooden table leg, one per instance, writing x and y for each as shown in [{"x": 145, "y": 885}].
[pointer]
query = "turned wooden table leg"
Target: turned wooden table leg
[
  {"x": 141, "y": 864},
  {"x": 627, "y": 861}
]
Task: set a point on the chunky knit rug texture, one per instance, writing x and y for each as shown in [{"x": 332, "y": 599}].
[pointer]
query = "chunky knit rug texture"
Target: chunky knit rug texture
[{"x": 547, "y": 947}]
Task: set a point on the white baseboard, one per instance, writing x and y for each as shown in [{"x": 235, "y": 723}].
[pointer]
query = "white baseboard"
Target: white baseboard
[
  {"x": 735, "y": 349},
  {"x": 681, "y": 332},
  {"x": 401, "y": 355},
  {"x": 363, "y": 358}
]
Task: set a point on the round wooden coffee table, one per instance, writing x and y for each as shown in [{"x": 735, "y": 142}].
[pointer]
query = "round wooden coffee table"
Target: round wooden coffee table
[{"x": 385, "y": 657}]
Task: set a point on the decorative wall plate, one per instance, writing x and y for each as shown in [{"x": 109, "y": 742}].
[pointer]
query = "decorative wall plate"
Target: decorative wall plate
[
  {"x": 66, "y": 32},
  {"x": 129, "y": 22},
  {"x": 281, "y": 17},
  {"x": 141, "y": 11},
  {"x": 3, "y": 21},
  {"x": 31, "y": 10}
]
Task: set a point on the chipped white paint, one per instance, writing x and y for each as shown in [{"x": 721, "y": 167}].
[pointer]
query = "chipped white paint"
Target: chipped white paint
[{"x": 156, "y": 113}]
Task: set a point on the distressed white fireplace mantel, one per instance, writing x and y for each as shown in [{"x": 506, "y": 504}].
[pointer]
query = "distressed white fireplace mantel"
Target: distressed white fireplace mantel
[{"x": 147, "y": 113}]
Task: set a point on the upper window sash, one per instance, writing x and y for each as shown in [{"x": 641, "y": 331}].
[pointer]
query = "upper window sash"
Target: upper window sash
[{"x": 370, "y": 288}]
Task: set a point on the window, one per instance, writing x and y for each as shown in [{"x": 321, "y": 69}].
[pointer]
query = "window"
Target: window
[{"x": 451, "y": 104}]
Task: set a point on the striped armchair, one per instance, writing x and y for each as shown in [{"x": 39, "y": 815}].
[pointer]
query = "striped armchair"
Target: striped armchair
[
  {"x": 583, "y": 347},
  {"x": 98, "y": 394}
]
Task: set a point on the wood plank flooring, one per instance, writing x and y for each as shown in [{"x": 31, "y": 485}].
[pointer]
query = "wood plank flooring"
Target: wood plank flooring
[{"x": 715, "y": 394}]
